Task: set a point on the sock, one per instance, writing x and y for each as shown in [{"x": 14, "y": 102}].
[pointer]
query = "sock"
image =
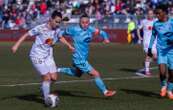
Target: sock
[
  {"x": 170, "y": 86},
  {"x": 147, "y": 65},
  {"x": 100, "y": 84},
  {"x": 163, "y": 83},
  {"x": 68, "y": 71},
  {"x": 45, "y": 88}
]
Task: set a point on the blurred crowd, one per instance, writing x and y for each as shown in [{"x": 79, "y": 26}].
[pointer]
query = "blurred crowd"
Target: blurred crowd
[{"x": 25, "y": 14}]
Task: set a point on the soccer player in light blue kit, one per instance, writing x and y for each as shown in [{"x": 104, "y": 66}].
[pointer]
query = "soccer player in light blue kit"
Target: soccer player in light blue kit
[
  {"x": 82, "y": 36},
  {"x": 163, "y": 30}
]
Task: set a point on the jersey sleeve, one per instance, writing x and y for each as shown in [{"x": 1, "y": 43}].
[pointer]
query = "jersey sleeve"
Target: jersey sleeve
[
  {"x": 104, "y": 35},
  {"x": 153, "y": 36},
  {"x": 69, "y": 32},
  {"x": 61, "y": 33},
  {"x": 99, "y": 32},
  {"x": 34, "y": 31}
]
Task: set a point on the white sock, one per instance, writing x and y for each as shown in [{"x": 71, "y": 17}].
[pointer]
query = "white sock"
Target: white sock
[
  {"x": 58, "y": 70},
  {"x": 45, "y": 88},
  {"x": 147, "y": 65}
]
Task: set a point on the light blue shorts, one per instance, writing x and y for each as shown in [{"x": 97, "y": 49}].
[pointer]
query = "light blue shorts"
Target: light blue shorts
[
  {"x": 165, "y": 57},
  {"x": 84, "y": 66}
]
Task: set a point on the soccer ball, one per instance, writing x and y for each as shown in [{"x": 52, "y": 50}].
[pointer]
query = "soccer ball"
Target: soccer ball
[{"x": 52, "y": 100}]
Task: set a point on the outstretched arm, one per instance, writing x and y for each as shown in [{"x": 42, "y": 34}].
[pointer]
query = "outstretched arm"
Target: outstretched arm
[
  {"x": 105, "y": 37},
  {"x": 18, "y": 43},
  {"x": 64, "y": 41}
]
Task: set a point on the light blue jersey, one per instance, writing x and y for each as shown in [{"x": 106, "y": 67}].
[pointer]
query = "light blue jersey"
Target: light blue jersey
[
  {"x": 81, "y": 39},
  {"x": 164, "y": 32}
]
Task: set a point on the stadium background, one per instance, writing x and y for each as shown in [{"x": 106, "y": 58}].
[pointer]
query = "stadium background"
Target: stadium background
[{"x": 118, "y": 63}]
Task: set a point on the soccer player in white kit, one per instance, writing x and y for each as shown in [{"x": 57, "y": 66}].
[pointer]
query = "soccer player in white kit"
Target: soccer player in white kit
[
  {"x": 147, "y": 25},
  {"x": 41, "y": 53}
]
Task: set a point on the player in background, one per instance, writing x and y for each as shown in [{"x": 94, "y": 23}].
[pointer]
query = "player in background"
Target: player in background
[
  {"x": 146, "y": 26},
  {"x": 81, "y": 36},
  {"x": 163, "y": 30},
  {"x": 41, "y": 53}
]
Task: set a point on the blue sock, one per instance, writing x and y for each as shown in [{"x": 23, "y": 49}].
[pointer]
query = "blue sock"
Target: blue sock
[
  {"x": 163, "y": 83},
  {"x": 45, "y": 88},
  {"x": 100, "y": 84},
  {"x": 170, "y": 86},
  {"x": 68, "y": 71}
]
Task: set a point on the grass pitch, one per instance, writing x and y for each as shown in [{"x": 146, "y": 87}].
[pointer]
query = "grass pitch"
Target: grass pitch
[{"x": 117, "y": 63}]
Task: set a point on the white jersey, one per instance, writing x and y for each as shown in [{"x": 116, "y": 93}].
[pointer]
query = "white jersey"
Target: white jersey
[
  {"x": 147, "y": 26},
  {"x": 45, "y": 39}
]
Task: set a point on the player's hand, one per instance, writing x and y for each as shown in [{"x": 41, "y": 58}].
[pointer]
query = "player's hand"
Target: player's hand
[
  {"x": 169, "y": 42},
  {"x": 14, "y": 49},
  {"x": 106, "y": 41},
  {"x": 72, "y": 49},
  {"x": 140, "y": 38},
  {"x": 149, "y": 52}
]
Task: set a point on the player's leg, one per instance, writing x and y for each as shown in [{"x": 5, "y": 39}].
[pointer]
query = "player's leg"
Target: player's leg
[
  {"x": 42, "y": 69},
  {"x": 162, "y": 61},
  {"x": 100, "y": 84},
  {"x": 85, "y": 67},
  {"x": 147, "y": 65},
  {"x": 147, "y": 58},
  {"x": 51, "y": 66},
  {"x": 170, "y": 76},
  {"x": 73, "y": 71},
  {"x": 45, "y": 85},
  {"x": 170, "y": 84},
  {"x": 163, "y": 80}
]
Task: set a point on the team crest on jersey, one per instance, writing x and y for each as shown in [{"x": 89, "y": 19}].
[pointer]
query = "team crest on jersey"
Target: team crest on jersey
[
  {"x": 150, "y": 27},
  {"x": 49, "y": 41}
]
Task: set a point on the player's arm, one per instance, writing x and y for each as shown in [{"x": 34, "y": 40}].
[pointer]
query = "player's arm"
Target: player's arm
[
  {"x": 153, "y": 36},
  {"x": 66, "y": 32},
  {"x": 18, "y": 43},
  {"x": 139, "y": 34},
  {"x": 32, "y": 32},
  {"x": 103, "y": 34},
  {"x": 139, "y": 30},
  {"x": 64, "y": 41},
  {"x": 170, "y": 36}
]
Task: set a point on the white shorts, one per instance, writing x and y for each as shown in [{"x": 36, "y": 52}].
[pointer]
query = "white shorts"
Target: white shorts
[
  {"x": 44, "y": 66},
  {"x": 146, "y": 46}
]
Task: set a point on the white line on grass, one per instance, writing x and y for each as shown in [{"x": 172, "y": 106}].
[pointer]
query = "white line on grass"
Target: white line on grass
[
  {"x": 75, "y": 81},
  {"x": 89, "y": 80}
]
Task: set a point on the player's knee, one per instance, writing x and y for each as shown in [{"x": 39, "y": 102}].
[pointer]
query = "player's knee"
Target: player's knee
[
  {"x": 46, "y": 77},
  {"x": 95, "y": 73},
  {"x": 162, "y": 72},
  {"x": 148, "y": 59},
  {"x": 53, "y": 76}
]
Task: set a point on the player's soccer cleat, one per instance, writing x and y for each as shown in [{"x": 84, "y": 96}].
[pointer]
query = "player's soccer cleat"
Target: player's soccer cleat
[
  {"x": 170, "y": 95},
  {"x": 109, "y": 93},
  {"x": 163, "y": 91},
  {"x": 147, "y": 73},
  {"x": 143, "y": 74}
]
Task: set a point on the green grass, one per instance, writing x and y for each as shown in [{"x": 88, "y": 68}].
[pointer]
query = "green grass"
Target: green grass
[{"x": 113, "y": 61}]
